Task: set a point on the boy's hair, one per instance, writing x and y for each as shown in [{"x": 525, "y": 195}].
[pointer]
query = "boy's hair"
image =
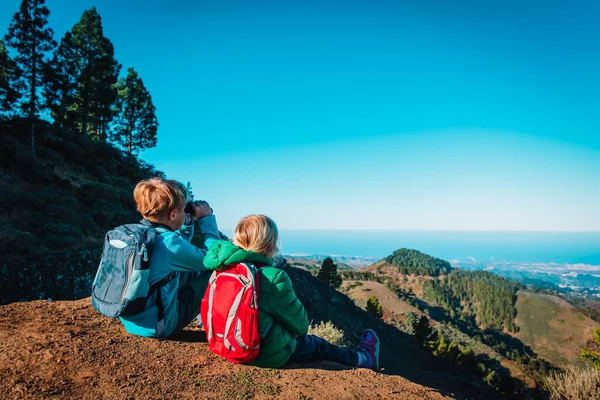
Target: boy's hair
[
  {"x": 157, "y": 196},
  {"x": 257, "y": 233}
]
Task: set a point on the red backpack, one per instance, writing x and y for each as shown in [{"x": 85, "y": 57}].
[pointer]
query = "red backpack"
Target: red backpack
[{"x": 230, "y": 313}]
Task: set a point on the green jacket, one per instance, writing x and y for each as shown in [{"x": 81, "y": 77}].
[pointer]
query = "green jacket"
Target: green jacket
[{"x": 281, "y": 315}]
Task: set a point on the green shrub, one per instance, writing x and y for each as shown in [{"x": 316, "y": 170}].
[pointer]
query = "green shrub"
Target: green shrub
[
  {"x": 59, "y": 235},
  {"x": 374, "y": 308},
  {"x": 13, "y": 153},
  {"x": 101, "y": 173},
  {"x": 50, "y": 155},
  {"x": 329, "y": 332},
  {"x": 73, "y": 152},
  {"x": 591, "y": 351},
  {"x": 60, "y": 276},
  {"x": 466, "y": 357},
  {"x": 16, "y": 244},
  {"x": 91, "y": 192}
]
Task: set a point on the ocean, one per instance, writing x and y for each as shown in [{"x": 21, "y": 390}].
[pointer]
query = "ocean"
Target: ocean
[{"x": 530, "y": 247}]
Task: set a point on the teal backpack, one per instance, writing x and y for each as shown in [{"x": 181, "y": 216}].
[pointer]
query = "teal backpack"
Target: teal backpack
[{"x": 121, "y": 286}]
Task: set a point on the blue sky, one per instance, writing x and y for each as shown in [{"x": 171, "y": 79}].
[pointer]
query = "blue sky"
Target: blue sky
[{"x": 463, "y": 115}]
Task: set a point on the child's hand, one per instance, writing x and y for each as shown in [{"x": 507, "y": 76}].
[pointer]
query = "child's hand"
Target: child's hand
[{"x": 201, "y": 209}]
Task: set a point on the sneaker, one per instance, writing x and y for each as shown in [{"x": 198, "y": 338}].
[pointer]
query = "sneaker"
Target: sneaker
[{"x": 369, "y": 346}]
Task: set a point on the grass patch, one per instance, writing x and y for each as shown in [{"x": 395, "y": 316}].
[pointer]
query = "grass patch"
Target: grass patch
[
  {"x": 239, "y": 394},
  {"x": 244, "y": 378},
  {"x": 534, "y": 314},
  {"x": 269, "y": 390},
  {"x": 248, "y": 383}
]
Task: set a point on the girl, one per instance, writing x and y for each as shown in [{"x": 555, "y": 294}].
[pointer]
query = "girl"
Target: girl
[{"x": 282, "y": 318}]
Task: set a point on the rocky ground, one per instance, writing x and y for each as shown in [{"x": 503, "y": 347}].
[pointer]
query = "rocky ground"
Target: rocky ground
[{"x": 65, "y": 349}]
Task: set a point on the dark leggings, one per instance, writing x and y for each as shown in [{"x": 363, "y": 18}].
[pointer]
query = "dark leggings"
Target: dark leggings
[{"x": 312, "y": 348}]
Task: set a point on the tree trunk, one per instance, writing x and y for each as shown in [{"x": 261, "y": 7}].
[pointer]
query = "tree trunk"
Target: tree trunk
[
  {"x": 129, "y": 142},
  {"x": 84, "y": 124},
  {"x": 101, "y": 131},
  {"x": 84, "y": 108},
  {"x": 32, "y": 97},
  {"x": 33, "y": 139}
]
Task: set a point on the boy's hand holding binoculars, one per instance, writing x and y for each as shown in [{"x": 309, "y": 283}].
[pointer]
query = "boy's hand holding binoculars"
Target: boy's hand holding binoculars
[{"x": 198, "y": 209}]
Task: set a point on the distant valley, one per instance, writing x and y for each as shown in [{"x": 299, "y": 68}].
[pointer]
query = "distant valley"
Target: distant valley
[
  {"x": 311, "y": 261},
  {"x": 578, "y": 279}
]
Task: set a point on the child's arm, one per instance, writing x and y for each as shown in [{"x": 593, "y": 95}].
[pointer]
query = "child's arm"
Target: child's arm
[
  {"x": 187, "y": 229},
  {"x": 184, "y": 255},
  {"x": 208, "y": 228},
  {"x": 285, "y": 305},
  {"x": 207, "y": 224}
]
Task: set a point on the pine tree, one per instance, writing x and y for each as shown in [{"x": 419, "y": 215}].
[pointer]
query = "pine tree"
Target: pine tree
[
  {"x": 30, "y": 36},
  {"x": 136, "y": 125},
  {"x": 374, "y": 308},
  {"x": 60, "y": 83},
  {"x": 328, "y": 273},
  {"x": 8, "y": 81},
  {"x": 80, "y": 82},
  {"x": 105, "y": 96}
]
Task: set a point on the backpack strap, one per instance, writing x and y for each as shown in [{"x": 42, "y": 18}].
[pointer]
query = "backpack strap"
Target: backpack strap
[
  {"x": 160, "y": 324},
  {"x": 211, "y": 285}
]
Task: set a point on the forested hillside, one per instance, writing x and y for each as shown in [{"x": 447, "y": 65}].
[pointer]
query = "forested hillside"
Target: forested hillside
[
  {"x": 478, "y": 304},
  {"x": 488, "y": 298},
  {"x": 414, "y": 262},
  {"x": 71, "y": 125},
  {"x": 57, "y": 207}
]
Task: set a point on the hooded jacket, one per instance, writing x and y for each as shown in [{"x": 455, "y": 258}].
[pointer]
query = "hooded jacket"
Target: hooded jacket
[
  {"x": 174, "y": 256},
  {"x": 281, "y": 316}
]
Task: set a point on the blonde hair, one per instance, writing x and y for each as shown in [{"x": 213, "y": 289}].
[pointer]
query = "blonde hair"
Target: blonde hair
[
  {"x": 156, "y": 196},
  {"x": 257, "y": 233}
]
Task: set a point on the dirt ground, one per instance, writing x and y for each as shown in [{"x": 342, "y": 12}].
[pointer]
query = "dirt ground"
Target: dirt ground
[{"x": 65, "y": 349}]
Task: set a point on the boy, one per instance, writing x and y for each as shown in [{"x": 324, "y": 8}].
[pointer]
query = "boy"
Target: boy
[{"x": 175, "y": 262}]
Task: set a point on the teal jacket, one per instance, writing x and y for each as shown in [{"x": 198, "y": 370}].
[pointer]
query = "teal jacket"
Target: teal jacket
[
  {"x": 281, "y": 316},
  {"x": 173, "y": 255}
]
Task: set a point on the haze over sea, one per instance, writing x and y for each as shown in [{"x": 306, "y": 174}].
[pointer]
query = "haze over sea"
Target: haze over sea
[{"x": 529, "y": 247}]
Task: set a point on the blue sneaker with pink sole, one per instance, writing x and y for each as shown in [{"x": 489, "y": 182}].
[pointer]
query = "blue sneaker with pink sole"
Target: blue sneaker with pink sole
[{"x": 369, "y": 347}]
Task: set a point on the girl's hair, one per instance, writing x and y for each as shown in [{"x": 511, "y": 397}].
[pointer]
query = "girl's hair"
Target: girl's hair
[{"x": 257, "y": 233}]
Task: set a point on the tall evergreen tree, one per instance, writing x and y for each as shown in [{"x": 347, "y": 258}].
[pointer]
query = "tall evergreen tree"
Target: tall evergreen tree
[
  {"x": 136, "y": 126},
  {"x": 105, "y": 76},
  {"x": 328, "y": 273},
  {"x": 8, "y": 81},
  {"x": 30, "y": 36},
  {"x": 81, "y": 81},
  {"x": 60, "y": 83}
]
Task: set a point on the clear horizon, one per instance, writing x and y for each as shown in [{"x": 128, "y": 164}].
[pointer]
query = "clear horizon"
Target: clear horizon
[
  {"x": 487, "y": 247},
  {"x": 379, "y": 115}
]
